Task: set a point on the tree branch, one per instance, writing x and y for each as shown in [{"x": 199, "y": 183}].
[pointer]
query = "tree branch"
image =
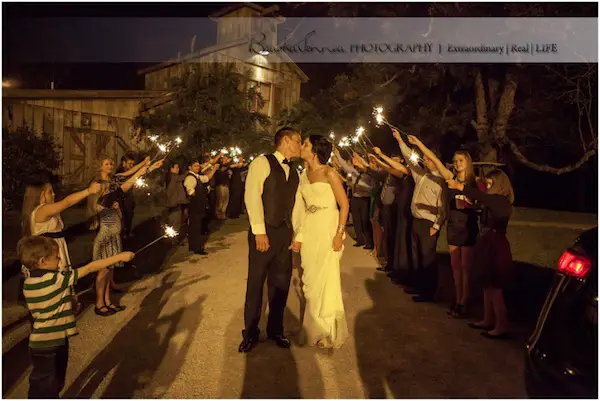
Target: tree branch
[
  {"x": 549, "y": 169},
  {"x": 383, "y": 85}
]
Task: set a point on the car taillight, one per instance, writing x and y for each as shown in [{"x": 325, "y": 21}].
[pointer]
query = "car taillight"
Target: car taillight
[{"x": 573, "y": 264}]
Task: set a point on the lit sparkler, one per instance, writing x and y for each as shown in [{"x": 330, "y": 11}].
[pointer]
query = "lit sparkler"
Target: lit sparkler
[
  {"x": 140, "y": 183},
  {"x": 414, "y": 158},
  {"x": 359, "y": 133},
  {"x": 169, "y": 232},
  {"x": 213, "y": 153},
  {"x": 153, "y": 138}
]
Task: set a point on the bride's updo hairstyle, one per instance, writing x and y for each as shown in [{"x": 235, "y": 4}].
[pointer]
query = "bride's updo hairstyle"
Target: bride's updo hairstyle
[{"x": 321, "y": 147}]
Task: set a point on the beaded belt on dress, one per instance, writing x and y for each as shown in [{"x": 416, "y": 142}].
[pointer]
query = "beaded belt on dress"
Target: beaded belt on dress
[{"x": 314, "y": 209}]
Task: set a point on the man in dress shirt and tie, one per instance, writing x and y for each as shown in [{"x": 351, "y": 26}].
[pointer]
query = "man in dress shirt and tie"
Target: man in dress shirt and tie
[
  {"x": 198, "y": 196},
  {"x": 270, "y": 198}
]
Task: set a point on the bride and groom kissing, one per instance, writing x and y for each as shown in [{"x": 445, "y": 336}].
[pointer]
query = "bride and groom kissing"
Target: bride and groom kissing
[{"x": 291, "y": 213}]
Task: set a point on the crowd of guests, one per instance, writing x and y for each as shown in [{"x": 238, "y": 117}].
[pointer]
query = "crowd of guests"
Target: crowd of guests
[
  {"x": 213, "y": 187},
  {"x": 398, "y": 207},
  {"x": 399, "y": 204}
]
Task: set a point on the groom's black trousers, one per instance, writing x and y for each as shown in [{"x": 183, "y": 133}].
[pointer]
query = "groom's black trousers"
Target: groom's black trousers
[{"x": 275, "y": 266}]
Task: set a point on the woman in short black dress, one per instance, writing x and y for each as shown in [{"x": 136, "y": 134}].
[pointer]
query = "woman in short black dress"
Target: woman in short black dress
[
  {"x": 462, "y": 226},
  {"x": 492, "y": 251}
]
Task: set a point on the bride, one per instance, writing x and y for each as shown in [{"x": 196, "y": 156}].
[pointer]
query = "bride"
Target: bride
[{"x": 322, "y": 234}]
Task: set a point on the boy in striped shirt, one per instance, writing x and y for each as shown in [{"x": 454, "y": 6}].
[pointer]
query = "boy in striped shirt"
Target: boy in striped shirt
[{"x": 48, "y": 295}]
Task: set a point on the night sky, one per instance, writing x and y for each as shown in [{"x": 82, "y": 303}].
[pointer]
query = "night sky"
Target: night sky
[{"x": 34, "y": 29}]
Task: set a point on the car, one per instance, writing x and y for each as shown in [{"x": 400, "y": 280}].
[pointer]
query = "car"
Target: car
[{"x": 561, "y": 359}]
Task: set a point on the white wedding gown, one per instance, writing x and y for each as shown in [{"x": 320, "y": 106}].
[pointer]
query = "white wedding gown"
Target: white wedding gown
[{"x": 324, "y": 318}]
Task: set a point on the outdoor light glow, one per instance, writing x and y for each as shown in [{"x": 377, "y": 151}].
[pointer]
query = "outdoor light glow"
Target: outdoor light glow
[
  {"x": 263, "y": 53},
  {"x": 251, "y": 158},
  {"x": 8, "y": 83}
]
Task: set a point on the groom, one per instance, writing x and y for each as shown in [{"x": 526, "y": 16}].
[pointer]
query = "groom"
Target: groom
[{"x": 271, "y": 192}]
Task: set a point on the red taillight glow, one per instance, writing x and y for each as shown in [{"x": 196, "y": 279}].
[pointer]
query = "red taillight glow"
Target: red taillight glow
[{"x": 574, "y": 265}]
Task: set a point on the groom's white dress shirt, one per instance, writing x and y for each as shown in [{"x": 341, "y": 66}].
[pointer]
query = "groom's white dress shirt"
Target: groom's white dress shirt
[{"x": 258, "y": 171}]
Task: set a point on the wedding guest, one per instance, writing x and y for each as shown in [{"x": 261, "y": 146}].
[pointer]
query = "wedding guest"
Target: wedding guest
[
  {"x": 394, "y": 226},
  {"x": 177, "y": 201},
  {"x": 41, "y": 216},
  {"x": 236, "y": 189},
  {"x": 198, "y": 202},
  {"x": 128, "y": 201},
  {"x": 492, "y": 251},
  {"x": 222, "y": 178},
  {"x": 361, "y": 184},
  {"x": 399, "y": 222},
  {"x": 462, "y": 226},
  {"x": 48, "y": 291},
  {"x": 103, "y": 210},
  {"x": 428, "y": 210}
]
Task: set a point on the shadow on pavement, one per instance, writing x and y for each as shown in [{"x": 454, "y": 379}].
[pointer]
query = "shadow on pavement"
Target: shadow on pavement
[
  {"x": 143, "y": 346},
  {"x": 15, "y": 363},
  {"x": 524, "y": 296},
  {"x": 408, "y": 350},
  {"x": 269, "y": 372}
]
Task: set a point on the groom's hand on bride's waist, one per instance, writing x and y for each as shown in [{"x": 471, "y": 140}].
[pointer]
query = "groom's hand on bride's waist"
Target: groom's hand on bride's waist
[{"x": 262, "y": 243}]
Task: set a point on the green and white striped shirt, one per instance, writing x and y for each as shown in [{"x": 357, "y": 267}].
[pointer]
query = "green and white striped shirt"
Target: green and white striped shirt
[{"x": 48, "y": 295}]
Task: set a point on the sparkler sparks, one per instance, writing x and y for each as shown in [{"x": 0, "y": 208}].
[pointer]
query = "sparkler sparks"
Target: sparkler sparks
[
  {"x": 378, "y": 113},
  {"x": 140, "y": 183},
  {"x": 153, "y": 138},
  {"x": 169, "y": 232},
  {"x": 178, "y": 140},
  {"x": 162, "y": 147},
  {"x": 414, "y": 158}
]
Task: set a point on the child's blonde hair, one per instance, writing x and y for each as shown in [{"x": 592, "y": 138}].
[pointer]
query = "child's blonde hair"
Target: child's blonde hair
[
  {"x": 32, "y": 249},
  {"x": 31, "y": 200}
]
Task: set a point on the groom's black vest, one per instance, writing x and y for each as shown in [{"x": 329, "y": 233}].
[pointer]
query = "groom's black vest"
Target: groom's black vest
[{"x": 279, "y": 194}]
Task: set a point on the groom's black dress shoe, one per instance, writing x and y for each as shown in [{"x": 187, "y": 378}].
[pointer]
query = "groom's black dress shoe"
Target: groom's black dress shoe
[
  {"x": 281, "y": 341},
  {"x": 247, "y": 344}
]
